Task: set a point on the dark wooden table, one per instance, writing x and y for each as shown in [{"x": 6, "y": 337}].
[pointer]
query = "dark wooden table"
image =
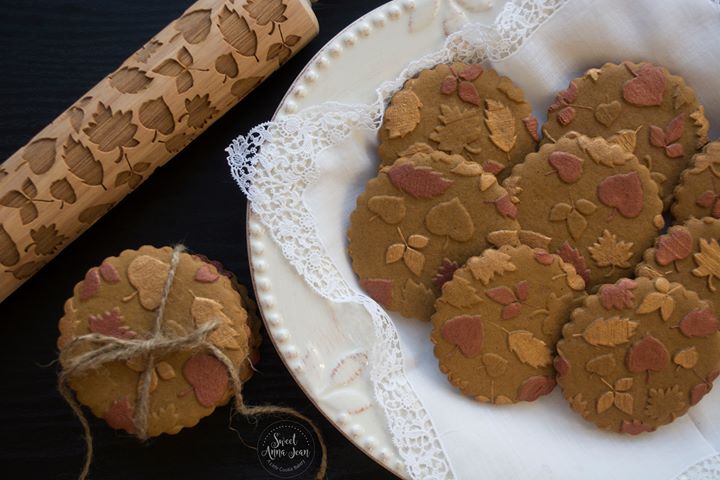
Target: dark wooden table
[{"x": 51, "y": 52}]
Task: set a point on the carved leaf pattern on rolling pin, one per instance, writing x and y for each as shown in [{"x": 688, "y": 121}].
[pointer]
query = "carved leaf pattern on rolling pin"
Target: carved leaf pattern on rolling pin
[
  {"x": 62, "y": 190},
  {"x": 110, "y": 131},
  {"x": 9, "y": 254},
  {"x": 129, "y": 80},
  {"x": 69, "y": 164},
  {"x": 178, "y": 68},
  {"x": 237, "y": 32},
  {"x": 40, "y": 155},
  {"x": 23, "y": 200},
  {"x": 82, "y": 163},
  {"x": 194, "y": 26}
]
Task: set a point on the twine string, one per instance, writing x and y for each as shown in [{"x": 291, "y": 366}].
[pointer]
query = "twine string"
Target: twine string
[{"x": 115, "y": 349}]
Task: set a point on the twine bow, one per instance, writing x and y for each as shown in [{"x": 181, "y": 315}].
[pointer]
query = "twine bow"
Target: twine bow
[{"x": 114, "y": 349}]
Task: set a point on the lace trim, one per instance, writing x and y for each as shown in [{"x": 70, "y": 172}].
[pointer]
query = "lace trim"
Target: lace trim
[
  {"x": 274, "y": 164},
  {"x": 707, "y": 469}
]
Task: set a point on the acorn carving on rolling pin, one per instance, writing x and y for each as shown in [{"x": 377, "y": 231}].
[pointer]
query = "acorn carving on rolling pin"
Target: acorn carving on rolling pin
[{"x": 136, "y": 119}]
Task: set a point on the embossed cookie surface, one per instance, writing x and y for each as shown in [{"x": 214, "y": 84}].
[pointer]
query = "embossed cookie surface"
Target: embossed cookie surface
[
  {"x": 698, "y": 194},
  {"x": 593, "y": 199},
  {"x": 653, "y": 111},
  {"x": 120, "y": 299},
  {"x": 688, "y": 254},
  {"x": 638, "y": 354},
  {"x": 417, "y": 221},
  {"x": 497, "y": 322},
  {"x": 461, "y": 109}
]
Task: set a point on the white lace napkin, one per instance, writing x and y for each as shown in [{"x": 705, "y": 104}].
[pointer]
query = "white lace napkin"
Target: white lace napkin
[{"x": 305, "y": 204}]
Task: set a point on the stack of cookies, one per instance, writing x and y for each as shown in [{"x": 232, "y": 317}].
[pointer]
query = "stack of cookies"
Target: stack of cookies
[{"x": 544, "y": 260}]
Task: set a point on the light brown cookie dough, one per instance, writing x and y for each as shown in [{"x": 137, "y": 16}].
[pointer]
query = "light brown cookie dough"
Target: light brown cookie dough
[
  {"x": 120, "y": 299},
  {"x": 498, "y": 320},
  {"x": 461, "y": 109},
  {"x": 688, "y": 254},
  {"x": 698, "y": 193},
  {"x": 594, "y": 200},
  {"x": 638, "y": 354},
  {"x": 653, "y": 111},
  {"x": 417, "y": 221}
]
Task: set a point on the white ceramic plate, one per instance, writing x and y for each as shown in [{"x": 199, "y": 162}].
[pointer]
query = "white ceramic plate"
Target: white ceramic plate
[{"x": 327, "y": 364}]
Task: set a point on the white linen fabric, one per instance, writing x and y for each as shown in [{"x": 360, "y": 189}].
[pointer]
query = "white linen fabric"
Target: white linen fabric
[{"x": 542, "y": 44}]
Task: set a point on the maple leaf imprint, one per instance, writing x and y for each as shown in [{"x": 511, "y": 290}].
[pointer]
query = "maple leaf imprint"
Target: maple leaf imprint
[
  {"x": 459, "y": 129},
  {"x": 708, "y": 261},
  {"x": 608, "y": 251},
  {"x": 110, "y": 131}
]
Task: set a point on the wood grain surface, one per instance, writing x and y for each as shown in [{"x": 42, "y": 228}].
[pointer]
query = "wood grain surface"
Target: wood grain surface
[{"x": 52, "y": 52}]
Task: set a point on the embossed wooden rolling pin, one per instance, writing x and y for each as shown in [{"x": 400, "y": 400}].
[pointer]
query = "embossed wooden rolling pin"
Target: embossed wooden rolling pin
[{"x": 136, "y": 119}]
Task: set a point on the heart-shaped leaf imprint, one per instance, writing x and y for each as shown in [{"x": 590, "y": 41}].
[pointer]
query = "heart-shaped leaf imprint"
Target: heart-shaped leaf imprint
[
  {"x": 390, "y": 209},
  {"x": 675, "y": 245},
  {"x": 648, "y": 354},
  {"x": 148, "y": 276},
  {"x": 567, "y": 165},
  {"x": 466, "y": 332},
  {"x": 623, "y": 192},
  {"x": 607, "y": 113},
  {"x": 450, "y": 219},
  {"x": 647, "y": 88},
  {"x": 208, "y": 377},
  {"x": 379, "y": 289},
  {"x": 699, "y": 323}
]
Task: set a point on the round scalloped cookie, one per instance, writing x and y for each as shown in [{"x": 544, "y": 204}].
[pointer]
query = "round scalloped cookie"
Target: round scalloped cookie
[
  {"x": 417, "y": 221},
  {"x": 653, "y": 111},
  {"x": 698, "y": 193},
  {"x": 498, "y": 320},
  {"x": 638, "y": 354},
  {"x": 461, "y": 109},
  {"x": 688, "y": 254},
  {"x": 594, "y": 200},
  {"x": 120, "y": 299}
]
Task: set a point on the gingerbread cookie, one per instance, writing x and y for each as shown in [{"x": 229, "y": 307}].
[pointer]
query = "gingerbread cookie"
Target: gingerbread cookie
[
  {"x": 461, "y": 109},
  {"x": 638, "y": 354},
  {"x": 642, "y": 106},
  {"x": 594, "y": 200},
  {"x": 688, "y": 254},
  {"x": 698, "y": 194},
  {"x": 119, "y": 301},
  {"x": 417, "y": 221},
  {"x": 498, "y": 320}
]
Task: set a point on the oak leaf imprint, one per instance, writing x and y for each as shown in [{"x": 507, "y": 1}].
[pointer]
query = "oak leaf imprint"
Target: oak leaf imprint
[
  {"x": 460, "y": 293},
  {"x": 266, "y": 11},
  {"x": 618, "y": 296},
  {"x": 675, "y": 245},
  {"x": 699, "y": 323},
  {"x": 686, "y": 358},
  {"x": 147, "y": 50}
]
